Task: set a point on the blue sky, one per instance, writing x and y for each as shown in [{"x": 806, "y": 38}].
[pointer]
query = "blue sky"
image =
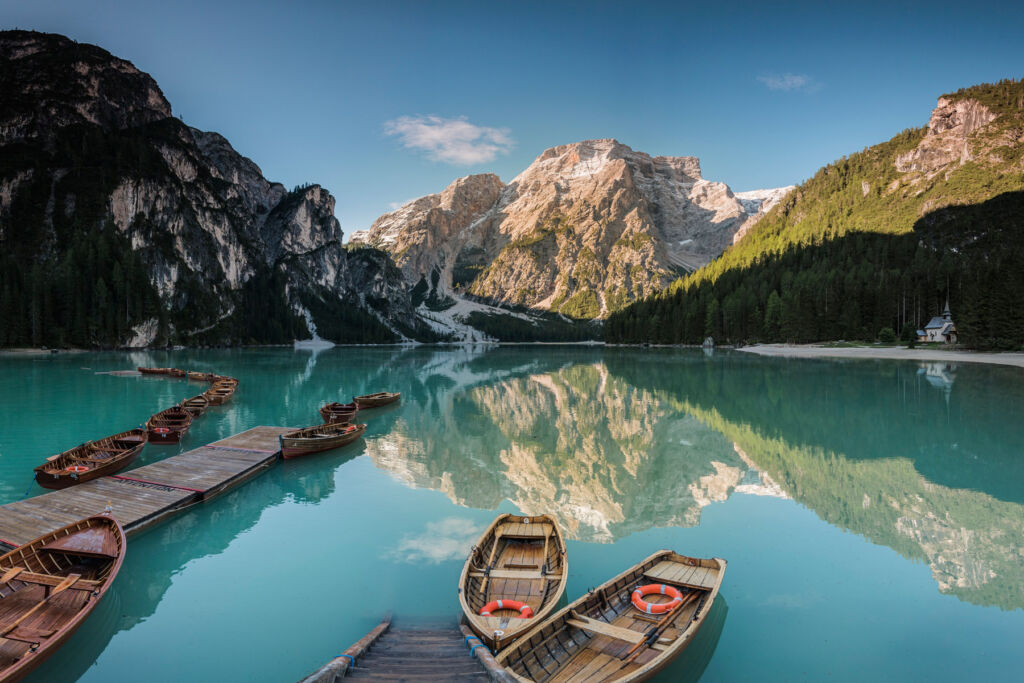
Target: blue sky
[{"x": 381, "y": 102}]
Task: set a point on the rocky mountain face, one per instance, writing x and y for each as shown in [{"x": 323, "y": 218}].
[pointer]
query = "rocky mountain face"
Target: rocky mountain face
[
  {"x": 88, "y": 142},
  {"x": 950, "y": 128},
  {"x": 876, "y": 240},
  {"x": 584, "y": 230}
]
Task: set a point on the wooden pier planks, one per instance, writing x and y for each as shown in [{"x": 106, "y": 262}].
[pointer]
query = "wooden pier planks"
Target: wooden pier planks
[
  {"x": 434, "y": 653},
  {"x": 142, "y": 497}
]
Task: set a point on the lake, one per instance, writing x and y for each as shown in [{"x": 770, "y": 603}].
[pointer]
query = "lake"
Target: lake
[{"x": 872, "y": 512}]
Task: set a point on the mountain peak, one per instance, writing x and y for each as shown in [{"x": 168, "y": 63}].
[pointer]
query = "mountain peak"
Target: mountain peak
[
  {"x": 586, "y": 228},
  {"x": 50, "y": 81},
  {"x": 585, "y": 156}
]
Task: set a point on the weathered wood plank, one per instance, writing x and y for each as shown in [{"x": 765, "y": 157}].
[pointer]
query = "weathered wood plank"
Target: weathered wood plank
[
  {"x": 143, "y": 496},
  {"x": 605, "y": 629}
]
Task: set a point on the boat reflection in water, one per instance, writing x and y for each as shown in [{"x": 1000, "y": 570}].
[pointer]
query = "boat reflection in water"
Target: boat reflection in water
[{"x": 690, "y": 665}]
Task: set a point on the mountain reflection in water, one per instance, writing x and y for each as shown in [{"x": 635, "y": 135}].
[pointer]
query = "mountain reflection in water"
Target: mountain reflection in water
[{"x": 614, "y": 443}]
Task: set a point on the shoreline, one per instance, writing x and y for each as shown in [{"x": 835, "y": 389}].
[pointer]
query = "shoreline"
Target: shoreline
[
  {"x": 885, "y": 353},
  {"x": 803, "y": 351}
]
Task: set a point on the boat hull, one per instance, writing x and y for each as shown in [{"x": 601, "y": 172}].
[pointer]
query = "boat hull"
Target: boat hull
[
  {"x": 521, "y": 558},
  {"x": 63, "y": 481},
  {"x": 66, "y": 612},
  {"x": 168, "y": 426},
  {"x": 221, "y": 391},
  {"x": 337, "y": 413},
  {"x": 375, "y": 400},
  {"x": 296, "y": 447},
  {"x": 196, "y": 405},
  {"x": 172, "y": 436},
  {"x": 626, "y": 644},
  {"x": 53, "y": 475}
]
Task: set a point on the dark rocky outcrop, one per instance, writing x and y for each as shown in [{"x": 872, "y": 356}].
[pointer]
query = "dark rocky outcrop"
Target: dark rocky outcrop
[{"x": 88, "y": 143}]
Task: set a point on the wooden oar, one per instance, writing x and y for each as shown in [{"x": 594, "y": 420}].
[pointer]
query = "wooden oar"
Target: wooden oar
[
  {"x": 490, "y": 561},
  {"x": 659, "y": 628},
  {"x": 59, "y": 588}
]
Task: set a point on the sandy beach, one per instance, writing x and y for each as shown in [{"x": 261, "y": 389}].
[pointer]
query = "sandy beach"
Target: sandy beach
[{"x": 885, "y": 352}]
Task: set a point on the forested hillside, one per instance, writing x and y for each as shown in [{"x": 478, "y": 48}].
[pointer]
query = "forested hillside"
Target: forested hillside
[
  {"x": 122, "y": 226},
  {"x": 876, "y": 240}
]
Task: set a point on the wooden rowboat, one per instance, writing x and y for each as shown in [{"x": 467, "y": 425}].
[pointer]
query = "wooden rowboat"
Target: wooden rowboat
[
  {"x": 152, "y": 371},
  {"x": 220, "y": 392},
  {"x": 381, "y": 398},
  {"x": 518, "y": 559},
  {"x": 603, "y": 636},
  {"x": 91, "y": 460},
  {"x": 319, "y": 438},
  {"x": 196, "y": 405},
  {"x": 175, "y": 372},
  {"x": 168, "y": 426},
  {"x": 201, "y": 376},
  {"x": 338, "y": 412},
  {"x": 50, "y": 585}
]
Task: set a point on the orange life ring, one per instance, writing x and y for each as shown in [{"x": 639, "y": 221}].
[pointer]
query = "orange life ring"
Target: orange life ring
[
  {"x": 656, "y": 588},
  {"x": 161, "y": 431},
  {"x": 78, "y": 469},
  {"x": 525, "y": 611}
]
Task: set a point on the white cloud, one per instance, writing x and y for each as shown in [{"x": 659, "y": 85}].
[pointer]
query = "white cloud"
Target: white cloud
[
  {"x": 453, "y": 141},
  {"x": 447, "y": 539},
  {"x": 395, "y": 206},
  {"x": 787, "y": 81}
]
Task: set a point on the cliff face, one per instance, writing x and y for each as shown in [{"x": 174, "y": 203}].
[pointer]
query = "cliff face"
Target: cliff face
[
  {"x": 88, "y": 140},
  {"x": 877, "y": 239},
  {"x": 584, "y": 230},
  {"x": 96, "y": 88},
  {"x": 948, "y": 139}
]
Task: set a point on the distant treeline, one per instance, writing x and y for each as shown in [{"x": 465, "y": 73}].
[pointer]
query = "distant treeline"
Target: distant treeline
[
  {"x": 855, "y": 285},
  {"x": 550, "y": 328}
]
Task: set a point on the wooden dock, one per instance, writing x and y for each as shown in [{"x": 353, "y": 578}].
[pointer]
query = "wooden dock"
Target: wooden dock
[
  {"x": 427, "y": 653},
  {"x": 143, "y": 497}
]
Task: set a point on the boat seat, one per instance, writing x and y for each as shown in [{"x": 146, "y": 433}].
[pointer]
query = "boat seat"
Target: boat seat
[
  {"x": 106, "y": 457},
  {"x": 605, "y": 629},
  {"x": 513, "y": 574},
  {"x": 47, "y": 580},
  {"x": 532, "y": 531},
  {"x": 680, "y": 574},
  {"x": 27, "y": 634}
]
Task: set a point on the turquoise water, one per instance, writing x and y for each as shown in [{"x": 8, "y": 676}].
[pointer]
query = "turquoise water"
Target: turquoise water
[{"x": 872, "y": 513}]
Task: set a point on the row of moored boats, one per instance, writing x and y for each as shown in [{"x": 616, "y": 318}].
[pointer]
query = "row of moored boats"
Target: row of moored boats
[
  {"x": 48, "y": 586},
  {"x": 627, "y": 629},
  {"x": 112, "y": 454}
]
